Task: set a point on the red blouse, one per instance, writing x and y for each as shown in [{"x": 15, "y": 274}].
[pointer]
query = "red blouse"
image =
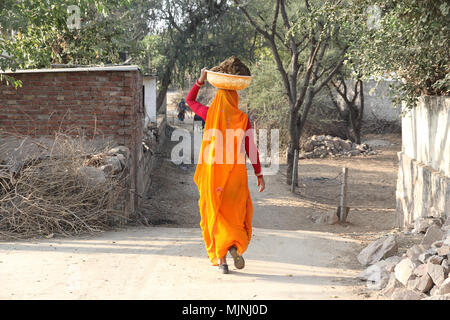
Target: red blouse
[{"x": 202, "y": 110}]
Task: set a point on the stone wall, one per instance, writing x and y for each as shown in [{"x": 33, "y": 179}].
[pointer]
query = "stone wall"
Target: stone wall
[
  {"x": 423, "y": 184},
  {"x": 154, "y": 139}
]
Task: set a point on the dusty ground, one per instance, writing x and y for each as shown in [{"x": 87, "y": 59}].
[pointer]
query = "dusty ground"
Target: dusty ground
[{"x": 290, "y": 257}]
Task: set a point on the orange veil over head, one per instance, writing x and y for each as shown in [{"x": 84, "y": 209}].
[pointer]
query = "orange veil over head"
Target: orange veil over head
[{"x": 221, "y": 177}]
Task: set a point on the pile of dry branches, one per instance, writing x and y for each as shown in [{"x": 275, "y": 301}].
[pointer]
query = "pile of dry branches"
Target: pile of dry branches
[{"x": 48, "y": 193}]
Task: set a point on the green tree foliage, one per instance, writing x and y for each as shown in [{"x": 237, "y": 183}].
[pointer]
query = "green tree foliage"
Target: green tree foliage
[
  {"x": 268, "y": 105},
  {"x": 407, "y": 40},
  {"x": 192, "y": 35},
  {"x": 36, "y": 34},
  {"x": 266, "y": 100}
]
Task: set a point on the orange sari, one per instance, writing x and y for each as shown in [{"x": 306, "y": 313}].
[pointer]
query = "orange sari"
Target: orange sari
[{"x": 225, "y": 204}]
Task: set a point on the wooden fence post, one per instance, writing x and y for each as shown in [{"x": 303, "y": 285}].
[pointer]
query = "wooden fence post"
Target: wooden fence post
[{"x": 343, "y": 209}]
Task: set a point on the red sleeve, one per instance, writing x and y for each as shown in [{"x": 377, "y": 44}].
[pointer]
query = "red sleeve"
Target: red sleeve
[
  {"x": 251, "y": 150},
  {"x": 195, "y": 106},
  {"x": 202, "y": 110}
]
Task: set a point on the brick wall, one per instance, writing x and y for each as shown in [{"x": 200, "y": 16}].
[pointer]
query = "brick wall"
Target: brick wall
[
  {"x": 105, "y": 103},
  {"x": 100, "y": 104}
]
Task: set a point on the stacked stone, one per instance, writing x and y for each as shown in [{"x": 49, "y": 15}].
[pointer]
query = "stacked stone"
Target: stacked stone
[
  {"x": 325, "y": 145},
  {"x": 421, "y": 273},
  {"x": 101, "y": 166}
]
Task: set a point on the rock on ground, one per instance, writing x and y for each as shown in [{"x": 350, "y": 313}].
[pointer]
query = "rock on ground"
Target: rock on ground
[
  {"x": 445, "y": 265},
  {"x": 391, "y": 262},
  {"x": 414, "y": 252},
  {"x": 444, "y": 287},
  {"x": 439, "y": 297},
  {"x": 436, "y": 273},
  {"x": 325, "y": 145},
  {"x": 433, "y": 234},
  {"x": 424, "y": 284},
  {"x": 420, "y": 270},
  {"x": 446, "y": 225},
  {"x": 92, "y": 175},
  {"x": 406, "y": 294},
  {"x": 404, "y": 270},
  {"x": 423, "y": 258},
  {"x": 376, "y": 274},
  {"x": 120, "y": 150},
  {"x": 379, "y": 249},
  {"x": 443, "y": 251},
  {"x": 392, "y": 285},
  {"x": 435, "y": 259},
  {"x": 421, "y": 225}
]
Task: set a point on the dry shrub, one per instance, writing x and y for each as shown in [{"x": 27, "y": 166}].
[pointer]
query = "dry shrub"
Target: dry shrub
[
  {"x": 381, "y": 126},
  {"x": 47, "y": 194}
]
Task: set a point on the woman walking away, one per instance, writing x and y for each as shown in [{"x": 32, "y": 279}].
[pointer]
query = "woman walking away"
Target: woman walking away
[{"x": 225, "y": 205}]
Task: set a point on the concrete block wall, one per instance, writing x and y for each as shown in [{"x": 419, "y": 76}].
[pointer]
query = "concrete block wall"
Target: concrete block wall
[{"x": 423, "y": 183}]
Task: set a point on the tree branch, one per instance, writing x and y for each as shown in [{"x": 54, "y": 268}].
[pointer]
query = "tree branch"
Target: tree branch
[
  {"x": 307, "y": 77},
  {"x": 252, "y": 22},
  {"x": 271, "y": 38},
  {"x": 332, "y": 73}
]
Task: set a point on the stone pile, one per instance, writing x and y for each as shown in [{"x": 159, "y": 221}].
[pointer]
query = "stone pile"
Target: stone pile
[
  {"x": 325, "y": 145},
  {"x": 100, "y": 166},
  {"x": 421, "y": 273}
]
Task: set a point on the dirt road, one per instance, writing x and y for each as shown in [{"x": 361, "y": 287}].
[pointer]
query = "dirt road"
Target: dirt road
[
  {"x": 169, "y": 263},
  {"x": 289, "y": 257}
]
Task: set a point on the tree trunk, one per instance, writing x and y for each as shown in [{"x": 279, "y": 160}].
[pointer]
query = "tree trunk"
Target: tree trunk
[
  {"x": 357, "y": 114},
  {"x": 293, "y": 145},
  {"x": 165, "y": 83},
  {"x": 361, "y": 111}
]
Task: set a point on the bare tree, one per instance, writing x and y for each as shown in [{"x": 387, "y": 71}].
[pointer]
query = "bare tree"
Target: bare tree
[
  {"x": 352, "y": 113},
  {"x": 311, "y": 42},
  {"x": 183, "y": 19}
]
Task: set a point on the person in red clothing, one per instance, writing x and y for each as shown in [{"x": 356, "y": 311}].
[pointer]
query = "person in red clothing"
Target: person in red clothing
[
  {"x": 202, "y": 111},
  {"x": 225, "y": 205}
]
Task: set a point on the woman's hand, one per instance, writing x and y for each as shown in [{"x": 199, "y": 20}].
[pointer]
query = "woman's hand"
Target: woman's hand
[
  {"x": 260, "y": 183},
  {"x": 202, "y": 75}
]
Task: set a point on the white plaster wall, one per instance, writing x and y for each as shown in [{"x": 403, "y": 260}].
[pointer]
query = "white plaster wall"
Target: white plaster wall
[
  {"x": 377, "y": 102},
  {"x": 425, "y": 133},
  {"x": 150, "y": 99},
  {"x": 423, "y": 184}
]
